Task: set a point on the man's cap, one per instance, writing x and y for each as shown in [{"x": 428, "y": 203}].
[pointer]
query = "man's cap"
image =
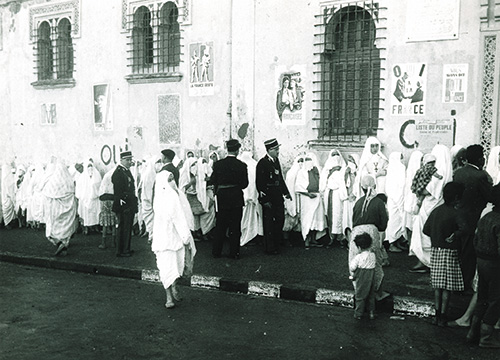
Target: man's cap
[
  {"x": 232, "y": 145},
  {"x": 271, "y": 144},
  {"x": 168, "y": 153},
  {"x": 126, "y": 155}
]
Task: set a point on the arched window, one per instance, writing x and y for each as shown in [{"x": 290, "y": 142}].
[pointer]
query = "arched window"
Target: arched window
[
  {"x": 350, "y": 77},
  {"x": 142, "y": 39},
  {"x": 64, "y": 45},
  {"x": 44, "y": 52},
  {"x": 169, "y": 34}
]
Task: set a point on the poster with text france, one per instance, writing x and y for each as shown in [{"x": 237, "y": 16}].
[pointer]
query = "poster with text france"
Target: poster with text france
[{"x": 409, "y": 83}]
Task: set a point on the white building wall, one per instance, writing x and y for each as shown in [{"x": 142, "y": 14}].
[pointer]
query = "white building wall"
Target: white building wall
[{"x": 252, "y": 39}]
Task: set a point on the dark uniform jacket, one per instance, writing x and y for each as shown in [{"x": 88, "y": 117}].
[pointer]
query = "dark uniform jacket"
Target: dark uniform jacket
[
  {"x": 124, "y": 190},
  {"x": 229, "y": 178},
  {"x": 170, "y": 167},
  {"x": 269, "y": 180}
]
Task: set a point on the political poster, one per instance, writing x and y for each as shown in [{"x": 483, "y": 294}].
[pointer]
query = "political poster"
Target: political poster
[
  {"x": 455, "y": 83},
  {"x": 408, "y": 89}
]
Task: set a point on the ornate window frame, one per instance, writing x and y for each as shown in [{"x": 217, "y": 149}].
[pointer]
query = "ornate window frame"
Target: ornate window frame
[
  {"x": 129, "y": 8},
  {"x": 53, "y": 13}
]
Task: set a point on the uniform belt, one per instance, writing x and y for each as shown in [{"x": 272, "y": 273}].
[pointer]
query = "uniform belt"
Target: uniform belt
[{"x": 226, "y": 186}]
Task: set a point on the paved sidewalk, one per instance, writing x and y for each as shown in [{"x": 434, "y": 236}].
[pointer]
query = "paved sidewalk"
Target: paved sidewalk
[{"x": 318, "y": 275}]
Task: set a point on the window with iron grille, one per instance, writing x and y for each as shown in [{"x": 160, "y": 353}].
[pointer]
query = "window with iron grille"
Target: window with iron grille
[
  {"x": 155, "y": 45},
  {"x": 348, "y": 73},
  {"x": 54, "y": 54}
]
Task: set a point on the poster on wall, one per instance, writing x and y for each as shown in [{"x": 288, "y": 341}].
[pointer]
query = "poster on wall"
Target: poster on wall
[
  {"x": 432, "y": 132},
  {"x": 48, "y": 114},
  {"x": 103, "y": 115},
  {"x": 425, "y": 21},
  {"x": 455, "y": 83},
  {"x": 169, "y": 116},
  {"x": 423, "y": 134},
  {"x": 201, "y": 71},
  {"x": 408, "y": 89},
  {"x": 290, "y": 95}
]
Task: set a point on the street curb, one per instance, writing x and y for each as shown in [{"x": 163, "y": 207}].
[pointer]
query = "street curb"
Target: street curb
[{"x": 395, "y": 305}]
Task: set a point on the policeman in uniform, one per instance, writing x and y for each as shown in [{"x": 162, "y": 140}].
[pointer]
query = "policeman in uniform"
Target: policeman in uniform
[
  {"x": 272, "y": 188},
  {"x": 229, "y": 178},
  {"x": 124, "y": 203}
]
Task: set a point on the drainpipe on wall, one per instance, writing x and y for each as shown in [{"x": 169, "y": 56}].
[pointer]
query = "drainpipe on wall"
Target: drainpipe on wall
[{"x": 229, "y": 112}]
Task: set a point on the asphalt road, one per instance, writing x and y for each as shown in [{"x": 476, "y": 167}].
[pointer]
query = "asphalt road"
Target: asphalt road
[{"x": 55, "y": 314}]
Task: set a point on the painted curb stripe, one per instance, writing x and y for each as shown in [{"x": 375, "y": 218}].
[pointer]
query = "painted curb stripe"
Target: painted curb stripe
[
  {"x": 263, "y": 289},
  {"x": 402, "y": 305},
  {"x": 332, "y": 297},
  {"x": 413, "y": 306},
  {"x": 150, "y": 275},
  {"x": 206, "y": 282}
]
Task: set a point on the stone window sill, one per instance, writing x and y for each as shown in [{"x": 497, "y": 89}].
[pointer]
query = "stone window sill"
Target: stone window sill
[
  {"x": 53, "y": 84},
  {"x": 154, "y": 78}
]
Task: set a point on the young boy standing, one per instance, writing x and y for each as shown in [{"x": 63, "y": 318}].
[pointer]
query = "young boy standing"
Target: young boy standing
[
  {"x": 362, "y": 270},
  {"x": 444, "y": 228}
]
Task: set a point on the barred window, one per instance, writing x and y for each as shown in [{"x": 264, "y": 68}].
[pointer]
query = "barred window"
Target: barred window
[
  {"x": 349, "y": 77},
  {"x": 156, "y": 37},
  {"x": 44, "y": 47},
  {"x": 169, "y": 35},
  {"x": 64, "y": 50},
  {"x": 54, "y": 51}
]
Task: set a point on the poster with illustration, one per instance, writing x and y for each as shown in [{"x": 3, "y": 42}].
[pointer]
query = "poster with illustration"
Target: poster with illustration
[
  {"x": 103, "y": 115},
  {"x": 201, "y": 69},
  {"x": 408, "y": 89},
  {"x": 290, "y": 95},
  {"x": 48, "y": 114},
  {"x": 455, "y": 83}
]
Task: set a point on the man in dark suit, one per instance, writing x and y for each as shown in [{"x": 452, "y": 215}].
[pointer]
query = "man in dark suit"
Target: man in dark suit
[
  {"x": 229, "y": 178},
  {"x": 272, "y": 188},
  {"x": 477, "y": 193},
  {"x": 167, "y": 157},
  {"x": 124, "y": 203}
]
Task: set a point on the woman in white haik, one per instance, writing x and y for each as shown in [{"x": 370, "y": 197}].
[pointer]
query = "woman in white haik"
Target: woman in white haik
[
  {"x": 312, "y": 213},
  {"x": 410, "y": 199},
  {"x": 251, "y": 220},
  {"x": 172, "y": 243},
  {"x": 373, "y": 162},
  {"x": 420, "y": 244},
  {"x": 292, "y": 208},
  {"x": 351, "y": 172},
  {"x": 395, "y": 184},
  {"x": 333, "y": 186}
]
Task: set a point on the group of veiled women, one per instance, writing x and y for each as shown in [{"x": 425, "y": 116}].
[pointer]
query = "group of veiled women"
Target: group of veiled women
[{"x": 374, "y": 194}]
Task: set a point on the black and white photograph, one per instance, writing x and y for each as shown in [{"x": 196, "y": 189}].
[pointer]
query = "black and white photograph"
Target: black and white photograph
[{"x": 248, "y": 179}]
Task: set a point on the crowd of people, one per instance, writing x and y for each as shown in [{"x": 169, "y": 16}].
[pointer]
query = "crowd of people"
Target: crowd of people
[{"x": 441, "y": 207}]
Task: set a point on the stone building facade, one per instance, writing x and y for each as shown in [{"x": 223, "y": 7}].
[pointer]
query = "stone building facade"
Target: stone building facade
[{"x": 85, "y": 78}]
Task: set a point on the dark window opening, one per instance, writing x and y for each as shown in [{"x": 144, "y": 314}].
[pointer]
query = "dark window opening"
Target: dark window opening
[
  {"x": 44, "y": 47},
  {"x": 64, "y": 47},
  {"x": 350, "y": 77},
  {"x": 169, "y": 33}
]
